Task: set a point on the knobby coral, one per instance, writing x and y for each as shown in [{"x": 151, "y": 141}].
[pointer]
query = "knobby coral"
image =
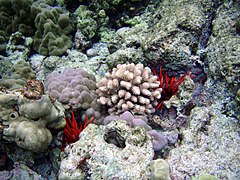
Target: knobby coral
[
  {"x": 130, "y": 87},
  {"x": 72, "y": 129},
  {"x": 169, "y": 85}
]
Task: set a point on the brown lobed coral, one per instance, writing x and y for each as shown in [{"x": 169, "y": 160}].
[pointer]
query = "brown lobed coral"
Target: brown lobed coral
[{"x": 131, "y": 88}]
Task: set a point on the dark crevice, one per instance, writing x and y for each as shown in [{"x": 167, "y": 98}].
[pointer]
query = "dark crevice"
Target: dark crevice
[
  {"x": 113, "y": 137},
  {"x": 207, "y": 28}
]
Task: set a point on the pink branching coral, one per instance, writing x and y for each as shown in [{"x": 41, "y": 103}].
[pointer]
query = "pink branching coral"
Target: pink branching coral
[
  {"x": 72, "y": 129},
  {"x": 169, "y": 86}
]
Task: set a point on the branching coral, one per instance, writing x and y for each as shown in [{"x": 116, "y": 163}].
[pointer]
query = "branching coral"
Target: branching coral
[
  {"x": 129, "y": 87},
  {"x": 169, "y": 86}
]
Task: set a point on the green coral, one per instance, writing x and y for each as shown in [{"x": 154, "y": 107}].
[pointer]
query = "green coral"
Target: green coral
[
  {"x": 53, "y": 35},
  {"x": 50, "y": 25},
  {"x": 223, "y": 51},
  {"x": 21, "y": 72},
  {"x": 85, "y": 22},
  {"x": 14, "y": 16}
]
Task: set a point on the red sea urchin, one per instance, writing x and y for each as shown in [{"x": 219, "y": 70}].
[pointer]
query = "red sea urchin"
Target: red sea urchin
[
  {"x": 72, "y": 129},
  {"x": 169, "y": 86}
]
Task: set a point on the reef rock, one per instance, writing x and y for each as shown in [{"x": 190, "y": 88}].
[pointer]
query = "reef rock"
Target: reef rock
[
  {"x": 115, "y": 151},
  {"x": 209, "y": 145}
]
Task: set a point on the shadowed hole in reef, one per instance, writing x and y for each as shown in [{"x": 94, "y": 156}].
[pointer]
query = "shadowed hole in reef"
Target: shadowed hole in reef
[{"x": 113, "y": 137}]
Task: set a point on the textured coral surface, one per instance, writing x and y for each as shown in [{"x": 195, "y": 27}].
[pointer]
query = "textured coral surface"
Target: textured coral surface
[{"x": 129, "y": 87}]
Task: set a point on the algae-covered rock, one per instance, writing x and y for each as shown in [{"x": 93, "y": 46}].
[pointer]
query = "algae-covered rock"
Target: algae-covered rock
[
  {"x": 204, "y": 144},
  {"x": 159, "y": 170},
  {"x": 108, "y": 152},
  {"x": 223, "y": 51},
  {"x": 175, "y": 36}
]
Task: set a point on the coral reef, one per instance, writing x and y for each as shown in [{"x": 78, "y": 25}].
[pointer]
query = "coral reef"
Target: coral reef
[
  {"x": 72, "y": 129},
  {"x": 21, "y": 72},
  {"x": 129, "y": 87},
  {"x": 158, "y": 140},
  {"x": 203, "y": 146},
  {"x": 200, "y": 122},
  {"x": 54, "y": 28},
  {"x": 223, "y": 50},
  {"x": 26, "y": 121},
  {"x": 108, "y": 152},
  {"x": 75, "y": 89}
]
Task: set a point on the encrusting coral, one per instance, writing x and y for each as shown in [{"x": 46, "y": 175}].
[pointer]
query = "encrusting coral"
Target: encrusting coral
[
  {"x": 129, "y": 87},
  {"x": 21, "y": 72}
]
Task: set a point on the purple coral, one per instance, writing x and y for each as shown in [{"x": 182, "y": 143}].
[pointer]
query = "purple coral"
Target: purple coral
[{"x": 159, "y": 141}]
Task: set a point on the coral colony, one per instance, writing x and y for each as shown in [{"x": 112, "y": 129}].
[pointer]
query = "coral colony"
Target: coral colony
[
  {"x": 72, "y": 129},
  {"x": 169, "y": 85}
]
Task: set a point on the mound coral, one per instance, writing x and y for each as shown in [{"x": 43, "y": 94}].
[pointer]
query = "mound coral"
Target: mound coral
[
  {"x": 131, "y": 88},
  {"x": 169, "y": 86},
  {"x": 75, "y": 89},
  {"x": 27, "y": 122}
]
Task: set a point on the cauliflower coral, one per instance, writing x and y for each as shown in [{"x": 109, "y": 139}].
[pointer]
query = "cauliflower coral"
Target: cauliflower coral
[{"x": 131, "y": 88}]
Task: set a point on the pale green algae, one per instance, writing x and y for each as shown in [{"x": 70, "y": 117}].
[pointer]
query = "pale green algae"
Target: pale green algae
[
  {"x": 128, "y": 160},
  {"x": 160, "y": 170}
]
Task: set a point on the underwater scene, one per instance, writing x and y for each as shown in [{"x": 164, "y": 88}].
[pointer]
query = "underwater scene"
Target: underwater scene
[{"x": 120, "y": 89}]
